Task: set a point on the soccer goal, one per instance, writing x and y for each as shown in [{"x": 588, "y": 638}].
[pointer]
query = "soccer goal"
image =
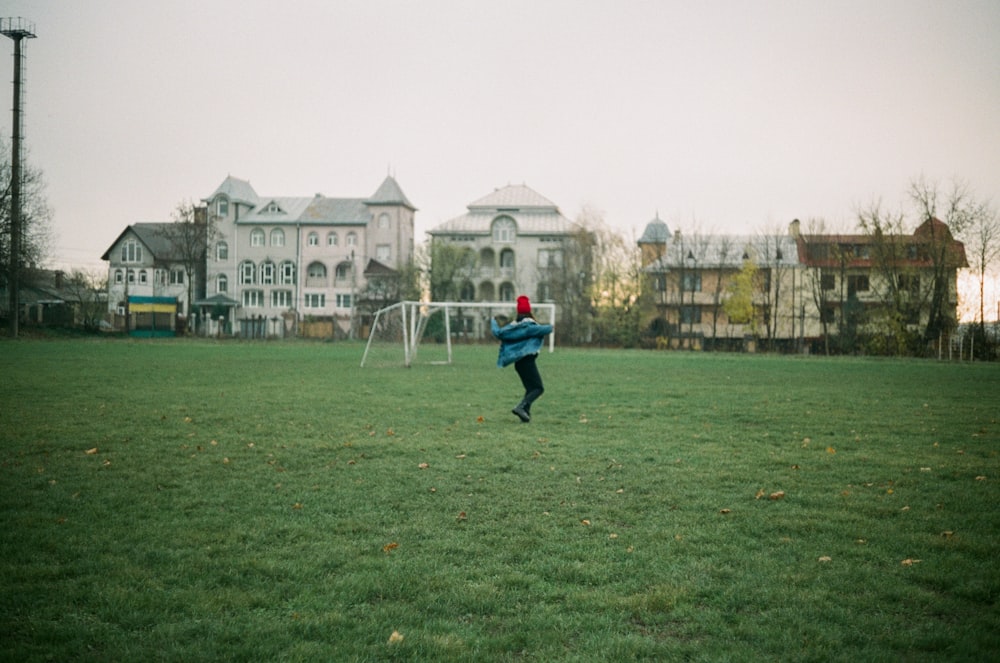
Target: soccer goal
[{"x": 402, "y": 325}]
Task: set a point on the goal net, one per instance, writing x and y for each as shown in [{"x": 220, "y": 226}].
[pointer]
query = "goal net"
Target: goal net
[{"x": 400, "y": 330}]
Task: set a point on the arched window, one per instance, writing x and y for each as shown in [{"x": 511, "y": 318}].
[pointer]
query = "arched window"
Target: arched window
[
  {"x": 467, "y": 293},
  {"x": 487, "y": 259},
  {"x": 332, "y": 239},
  {"x": 506, "y": 292},
  {"x": 221, "y": 283},
  {"x": 257, "y": 237},
  {"x": 222, "y": 206},
  {"x": 486, "y": 291},
  {"x": 504, "y": 230},
  {"x": 131, "y": 251},
  {"x": 287, "y": 274},
  {"x": 352, "y": 239},
  {"x": 119, "y": 276},
  {"x": 316, "y": 275},
  {"x": 222, "y": 251},
  {"x": 277, "y": 237},
  {"x": 248, "y": 272},
  {"x": 507, "y": 259},
  {"x": 313, "y": 239},
  {"x": 343, "y": 275},
  {"x": 267, "y": 273}
]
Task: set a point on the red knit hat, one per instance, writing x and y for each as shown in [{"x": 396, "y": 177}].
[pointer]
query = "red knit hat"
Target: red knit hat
[{"x": 523, "y": 305}]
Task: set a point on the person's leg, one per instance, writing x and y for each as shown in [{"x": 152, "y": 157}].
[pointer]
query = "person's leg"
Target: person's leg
[{"x": 527, "y": 370}]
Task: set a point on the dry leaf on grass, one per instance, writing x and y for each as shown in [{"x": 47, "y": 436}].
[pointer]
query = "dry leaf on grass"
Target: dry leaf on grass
[
  {"x": 910, "y": 562},
  {"x": 825, "y": 558},
  {"x": 779, "y": 495},
  {"x": 395, "y": 638},
  {"x": 389, "y": 547}
]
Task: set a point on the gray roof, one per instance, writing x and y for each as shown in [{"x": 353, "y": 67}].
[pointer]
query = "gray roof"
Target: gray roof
[
  {"x": 154, "y": 236},
  {"x": 534, "y": 214},
  {"x": 291, "y": 210},
  {"x": 389, "y": 193},
  {"x": 729, "y": 251},
  {"x": 236, "y": 190},
  {"x": 656, "y": 232},
  {"x": 513, "y": 196}
]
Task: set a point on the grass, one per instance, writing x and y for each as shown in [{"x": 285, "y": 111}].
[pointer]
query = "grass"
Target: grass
[{"x": 185, "y": 501}]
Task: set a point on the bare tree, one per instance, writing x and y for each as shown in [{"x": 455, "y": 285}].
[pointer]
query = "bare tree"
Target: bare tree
[
  {"x": 983, "y": 244},
  {"x": 190, "y": 235},
  {"x": 957, "y": 209},
  {"x": 569, "y": 280},
  {"x": 36, "y": 216},
  {"x": 88, "y": 288}
]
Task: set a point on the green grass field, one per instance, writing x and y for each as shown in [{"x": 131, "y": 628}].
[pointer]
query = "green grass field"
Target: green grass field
[{"x": 190, "y": 500}]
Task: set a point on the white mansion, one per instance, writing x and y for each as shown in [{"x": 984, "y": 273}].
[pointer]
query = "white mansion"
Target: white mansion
[{"x": 271, "y": 260}]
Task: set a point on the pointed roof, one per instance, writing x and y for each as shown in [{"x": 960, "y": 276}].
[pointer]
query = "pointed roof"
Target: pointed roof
[
  {"x": 389, "y": 193},
  {"x": 236, "y": 190},
  {"x": 656, "y": 232},
  {"x": 517, "y": 197},
  {"x": 154, "y": 236}
]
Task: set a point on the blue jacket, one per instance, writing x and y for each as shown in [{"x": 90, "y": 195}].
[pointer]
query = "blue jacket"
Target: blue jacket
[{"x": 519, "y": 339}]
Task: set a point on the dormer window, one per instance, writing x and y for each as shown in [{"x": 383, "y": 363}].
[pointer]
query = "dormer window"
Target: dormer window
[
  {"x": 504, "y": 230},
  {"x": 272, "y": 208}
]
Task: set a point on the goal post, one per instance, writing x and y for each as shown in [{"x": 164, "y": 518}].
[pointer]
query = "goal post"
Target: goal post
[{"x": 405, "y": 322}]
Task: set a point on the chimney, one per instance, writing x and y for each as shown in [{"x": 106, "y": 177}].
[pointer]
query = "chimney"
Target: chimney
[{"x": 794, "y": 228}]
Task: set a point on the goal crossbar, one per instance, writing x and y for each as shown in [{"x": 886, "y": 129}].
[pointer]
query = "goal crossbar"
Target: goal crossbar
[{"x": 415, "y": 315}]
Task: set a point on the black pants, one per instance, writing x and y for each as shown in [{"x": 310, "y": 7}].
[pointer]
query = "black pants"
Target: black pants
[{"x": 532, "y": 381}]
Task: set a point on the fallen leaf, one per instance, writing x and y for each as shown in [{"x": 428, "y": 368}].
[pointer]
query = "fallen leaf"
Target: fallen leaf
[
  {"x": 981, "y": 478},
  {"x": 423, "y": 466},
  {"x": 390, "y": 432},
  {"x": 825, "y": 558},
  {"x": 460, "y": 456},
  {"x": 725, "y": 512},
  {"x": 585, "y": 522},
  {"x": 480, "y": 419},
  {"x": 831, "y": 450},
  {"x": 461, "y": 516},
  {"x": 612, "y": 536},
  {"x": 947, "y": 534},
  {"x": 297, "y": 505},
  {"x": 389, "y": 547},
  {"x": 760, "y": 494},
  {"x": 776, "y": 495},
  {"x": 910, "y": 562},
  {"x": 395, "y": 638},
  {"x": 91, "y": 452}
]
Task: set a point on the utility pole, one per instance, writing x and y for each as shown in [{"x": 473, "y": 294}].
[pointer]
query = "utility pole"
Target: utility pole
[{"x": 17, "y": 29}]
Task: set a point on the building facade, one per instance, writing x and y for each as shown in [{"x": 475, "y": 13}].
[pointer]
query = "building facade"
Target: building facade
[
  {"x": 510, "y": 242},
  {"x": 797, "y": 291}
]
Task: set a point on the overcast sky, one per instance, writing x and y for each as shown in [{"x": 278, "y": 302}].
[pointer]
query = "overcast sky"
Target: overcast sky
[{"x": 735, "y": 116}]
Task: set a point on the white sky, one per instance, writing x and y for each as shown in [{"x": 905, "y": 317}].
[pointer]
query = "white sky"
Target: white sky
[{"x": 734, "y": 116}]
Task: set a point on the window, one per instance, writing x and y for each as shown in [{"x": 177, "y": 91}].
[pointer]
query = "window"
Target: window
[
  {"x": 504, "y": 230},
  {"x": 692, "y": 282},
  {"x": 131, "y": 251},
  {"x": 253, "y": 298},
  {"x": 506, "y": 259},
  {"x": 909, "y": 283},
  {"x": 130, "y": 275},
  {"x": 828, "y": 281},
  {"x": 247, "y": 272},
  {"x": 506, "y": 292},
  {"x": 272, "y": 208},
  {"x": 352, "y": 239},
  {"x": 281, "y": 298},
  {"x": 143, "y": 277},
  {"x": 316, "y": 274},
  {"x": 383, "y": 221},
  {"x": 467, "y": 293},
  {"x": 690, "y": 315},
  {"x": 267, "y": 273},
  {"x": 343, "y": 301},
  {"x": 222, "y": 206},
  {"x": 119, "y": 276},
  {"x": 257, "y": 237},
  {"x": 550, "y": 258},
  {"x": 222, "y": 251},
  {"x": 332, "y": 239},
  {"x": 312, "y": 239},
  {"x": 315, "y": 300},
  {"x": 177, "y": 276},
  {"x": 857, "y": 283},
  {"x": 277, "y": 237},
  {"x": 221, "y": 283},
  {"x": 343, "y": 272},
  {"x": 287, "y": 273},
  {"x": 544, "y": 292},
  {"x": 383, "y": 253}
]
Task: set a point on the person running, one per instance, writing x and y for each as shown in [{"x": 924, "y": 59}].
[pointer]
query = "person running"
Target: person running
[{"x": 520, "y": 342}]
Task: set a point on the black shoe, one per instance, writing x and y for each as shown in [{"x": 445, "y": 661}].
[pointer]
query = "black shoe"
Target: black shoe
[{"x": 522, "y": 414}]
